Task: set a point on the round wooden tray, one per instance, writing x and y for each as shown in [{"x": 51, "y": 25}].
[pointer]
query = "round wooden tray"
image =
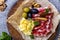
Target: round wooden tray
[{"x": 13, "y": 32}]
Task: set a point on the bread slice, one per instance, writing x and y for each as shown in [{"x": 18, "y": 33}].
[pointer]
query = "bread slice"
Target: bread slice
[
  {"x": 14, "y": 20},
  {"x": 2, "y": 2},
  {"x": 2, "y": 7}
]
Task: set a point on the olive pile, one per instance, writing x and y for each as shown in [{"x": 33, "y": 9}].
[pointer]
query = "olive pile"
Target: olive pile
[{"x": 28, "y": 12}]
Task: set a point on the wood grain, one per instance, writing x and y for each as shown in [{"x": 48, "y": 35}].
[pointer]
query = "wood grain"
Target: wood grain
[{"x": 13, "y": 32}]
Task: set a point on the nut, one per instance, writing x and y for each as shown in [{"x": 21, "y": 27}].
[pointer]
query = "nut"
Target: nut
[{"x": 2, "y": 1}]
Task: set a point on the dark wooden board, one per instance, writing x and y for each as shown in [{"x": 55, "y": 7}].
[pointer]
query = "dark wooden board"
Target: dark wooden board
[{"x": 13, "y": 32}]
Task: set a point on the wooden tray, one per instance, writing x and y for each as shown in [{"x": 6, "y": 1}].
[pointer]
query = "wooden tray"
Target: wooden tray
[{"x": 13, "y": 32}]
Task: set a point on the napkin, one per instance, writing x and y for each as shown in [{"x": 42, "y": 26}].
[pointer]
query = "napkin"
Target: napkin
[
  {"x": 56, "y": 3},
  {"x": 3, "y": 15}
]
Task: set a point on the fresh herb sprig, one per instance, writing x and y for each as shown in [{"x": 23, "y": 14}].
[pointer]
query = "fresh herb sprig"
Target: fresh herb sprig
[
  {"x": 5, "y": 36},
  {"x": 31, "y": 36}
]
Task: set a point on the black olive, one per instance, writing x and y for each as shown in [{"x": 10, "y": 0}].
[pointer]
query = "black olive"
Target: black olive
[
  {"x": 29, "y": 15},
  {"x": 34, "y": 11}
]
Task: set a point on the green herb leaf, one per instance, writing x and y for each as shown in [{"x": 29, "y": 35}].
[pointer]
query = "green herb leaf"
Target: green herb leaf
[
  {"x": 5, "y": 36},
  {"x": 36, "y": 23},
  {"x": 31, "y": 36},
  {"x": 1, "y": 37},
  {"x": 8, "y": 37},
  {"x": 4, "y": 33},
  {"x": 47, "y": 10}
]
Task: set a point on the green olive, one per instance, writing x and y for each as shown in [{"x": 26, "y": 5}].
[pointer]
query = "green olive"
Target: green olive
[
  {"x": 26, "y": 9},
  {"x": 24, "y": 15}
]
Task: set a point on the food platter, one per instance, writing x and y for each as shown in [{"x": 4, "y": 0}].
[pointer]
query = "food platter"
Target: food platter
[{"x": 14, "y": 33}]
